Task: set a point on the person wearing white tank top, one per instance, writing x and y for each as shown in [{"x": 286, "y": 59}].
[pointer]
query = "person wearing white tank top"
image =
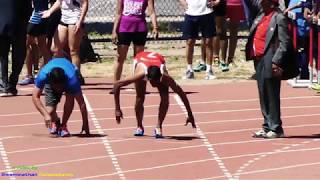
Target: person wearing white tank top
[{"x": 70, "y": 29}]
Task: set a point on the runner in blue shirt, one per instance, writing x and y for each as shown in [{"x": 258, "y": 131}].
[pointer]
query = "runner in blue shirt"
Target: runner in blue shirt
[{"x": 55, "y": 78}]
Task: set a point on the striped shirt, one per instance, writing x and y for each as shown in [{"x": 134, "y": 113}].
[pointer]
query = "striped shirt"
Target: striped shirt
[{"x": 36, "y": 17}]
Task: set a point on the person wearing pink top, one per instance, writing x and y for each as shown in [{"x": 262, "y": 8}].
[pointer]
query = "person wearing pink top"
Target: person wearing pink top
[
  {"x": 130, "y": 26},
  {"x": 235, "y": 14}
]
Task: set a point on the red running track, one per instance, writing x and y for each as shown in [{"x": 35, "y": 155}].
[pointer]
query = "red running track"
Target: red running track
[{"x": 220, "y": 148}]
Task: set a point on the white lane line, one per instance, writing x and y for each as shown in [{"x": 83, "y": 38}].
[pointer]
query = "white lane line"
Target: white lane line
[
  {"x": 276, "y": 151},
  {"x": 150, "y": 168},
  {"x": 206, "y": 142},
  {"x": 175, "y": 149},
  {"x": 105, "y": 140},
  {"x": 157, "y": 105},
  {"x": 5, "y": 160},
  {"x": 169, "y": 125},
  {"x": 185, "y": 134}
]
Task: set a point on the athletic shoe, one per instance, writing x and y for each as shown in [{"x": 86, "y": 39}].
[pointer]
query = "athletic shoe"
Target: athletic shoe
[
  {"x": 54, "y": 127},
  {"x": 27, "y": 80},
  {"x": 272, "y": 135},
  {"x": 209, "y": 75},
  {"x": 158, "y": 133},
  {"x": 224, "y": 67},
  {"x": 200, "y": 67},
  {"x": 315, "y": 87},
  {"x": 63, "y": 132},
  {"x": 260, "y": 134},
  {"x": 189, "y": 75},
  {"x": 139, "y": 132},
  {"x": 9, "y": 93}
]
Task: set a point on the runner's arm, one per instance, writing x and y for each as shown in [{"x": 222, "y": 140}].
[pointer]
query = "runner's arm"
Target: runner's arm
[
  {"x": 40, "y": 107},
  {"x": 116, "y": 89},
  {"x": 178, "y": 90}
]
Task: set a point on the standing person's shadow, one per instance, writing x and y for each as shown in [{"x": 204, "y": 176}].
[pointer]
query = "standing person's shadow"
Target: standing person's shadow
[{"x": 312, "y": 136}]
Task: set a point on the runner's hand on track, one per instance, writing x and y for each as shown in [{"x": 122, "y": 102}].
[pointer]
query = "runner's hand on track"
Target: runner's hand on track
[
  {"x": 119, "y": 116},
  {"x": 190, "y": 119}
]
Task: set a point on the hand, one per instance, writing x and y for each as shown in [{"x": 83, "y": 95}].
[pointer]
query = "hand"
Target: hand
[
  {"x": 114, "y": 38},
  {"x": 119, "y": 116},
  {"x": 77, "y": 27},
  {"x": 47, "y": 121},
  {"x": 85, "y": 128},
  {"x": 213, "y": 3},
  {"x": 190, "y": 119},
  {"x": 155, "y": 33},
  {"x": 285, "y": 12},
  {"x": 46, "y": 14},
  {"x": 276, "y": 70}
]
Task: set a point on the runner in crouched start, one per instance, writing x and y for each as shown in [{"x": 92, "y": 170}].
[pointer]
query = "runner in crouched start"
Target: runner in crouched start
[
  {"x": 55, "y": 78},
  {"x": 150, "y": 66}
]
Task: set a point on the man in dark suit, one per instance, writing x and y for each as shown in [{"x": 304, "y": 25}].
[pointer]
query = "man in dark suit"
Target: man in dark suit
[
  {"x": 14, "y": 16},
  {"x": 267, "y": 45}
]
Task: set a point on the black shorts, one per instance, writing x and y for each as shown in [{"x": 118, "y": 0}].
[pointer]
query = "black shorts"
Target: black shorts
[
  {"x": 195, "y": 24},
  {"x": 53, "y": 23},
  {"x": 137, "y": 38},
  {"x": 66, "y": 25},
  {"x": 221, "y": 9},
  {"x": 37, "y": 29},
  {"x": 52, "y": 97}
]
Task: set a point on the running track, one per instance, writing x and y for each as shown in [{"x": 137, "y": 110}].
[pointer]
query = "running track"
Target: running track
[{"x": 220, "y": 148}]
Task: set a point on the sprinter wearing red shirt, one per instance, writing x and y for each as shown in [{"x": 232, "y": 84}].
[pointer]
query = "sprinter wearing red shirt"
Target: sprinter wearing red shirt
[{"x": 150, "y": 66}]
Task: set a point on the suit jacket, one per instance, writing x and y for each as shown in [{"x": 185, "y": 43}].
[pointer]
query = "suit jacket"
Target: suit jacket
[
  {"x": 277, "y": 45},
  {"x": 14, "y": 14}
]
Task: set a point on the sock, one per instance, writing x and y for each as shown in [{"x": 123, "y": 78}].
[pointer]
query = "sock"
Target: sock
[
  {"x": 209, "y": 67},
  {"x": 202, "y": 61},
  {"x": 189, "y": 67}
]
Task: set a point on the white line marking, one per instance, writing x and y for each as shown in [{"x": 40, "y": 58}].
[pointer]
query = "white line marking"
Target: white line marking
[
  {"x": 157, "y": 105},
  {"x": 169, "y": 149},
  {"x": 177, "y": 114},
  {"x": 5, "y": 160},
  {"x": 104, "y": 139},
  {"x": 205, "y": 140},
  {"x": 150, "y": 168},
  {"x": 276, "y": 151}
]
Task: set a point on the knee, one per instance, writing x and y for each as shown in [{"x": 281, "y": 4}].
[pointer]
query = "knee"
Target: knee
[
  {"x": 139, "y": 100},
  {"x": 190, "y": 42}
]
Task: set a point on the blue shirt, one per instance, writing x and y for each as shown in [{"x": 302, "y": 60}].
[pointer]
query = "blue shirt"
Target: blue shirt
[
  {"x": 73, "y": 84},
  {"x": 302, "y": 24}
]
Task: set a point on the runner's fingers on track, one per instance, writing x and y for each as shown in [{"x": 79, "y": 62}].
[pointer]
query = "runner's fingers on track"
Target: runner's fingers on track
[{"x": 190, "y": 119}]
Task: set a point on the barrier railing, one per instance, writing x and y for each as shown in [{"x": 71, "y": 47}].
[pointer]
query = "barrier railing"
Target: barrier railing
[{"x": 313, "y": 77}]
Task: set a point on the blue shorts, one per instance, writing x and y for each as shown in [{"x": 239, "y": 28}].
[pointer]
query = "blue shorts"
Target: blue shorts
[{"x": 195, "y": 24}]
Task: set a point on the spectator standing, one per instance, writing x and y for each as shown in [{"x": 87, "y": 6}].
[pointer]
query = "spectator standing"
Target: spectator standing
[
  {"x": 199, "y": 17},
  {"x": 13, "y": 24},
  {"x": 235, "y": 14},
  {"x": 70, "y": 29},
  {"x": 268, "y": 44},
  {"x": 130, "y": 26},
  {"x": 36, "y": 33}
]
